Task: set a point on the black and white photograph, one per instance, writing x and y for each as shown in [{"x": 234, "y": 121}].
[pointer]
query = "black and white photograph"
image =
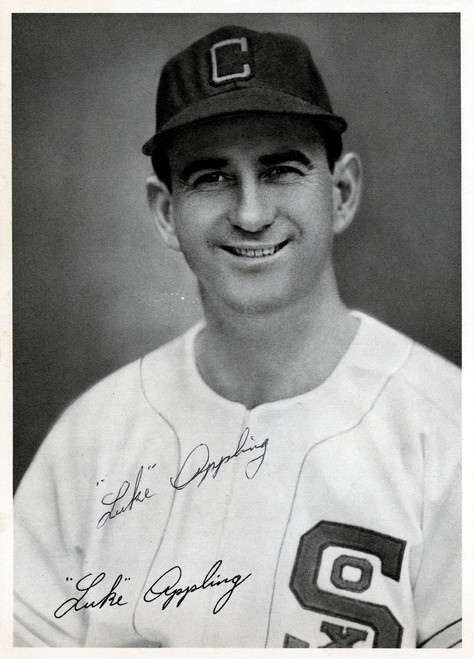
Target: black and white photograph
[{"x": 237, "y": 330}]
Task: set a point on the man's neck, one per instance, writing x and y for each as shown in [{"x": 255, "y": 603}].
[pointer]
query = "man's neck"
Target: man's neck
[{"x": 259, "y": 358}]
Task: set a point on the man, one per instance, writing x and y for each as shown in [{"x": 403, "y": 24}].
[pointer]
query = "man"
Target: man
[{"x": 287, "y": 473}]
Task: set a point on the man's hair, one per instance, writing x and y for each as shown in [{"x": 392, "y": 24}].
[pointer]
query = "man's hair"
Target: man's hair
[{"x": 331, "y": 140}]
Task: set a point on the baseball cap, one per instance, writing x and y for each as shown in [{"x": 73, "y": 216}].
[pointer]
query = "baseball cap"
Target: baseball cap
[{"x": 234, "y": 70}]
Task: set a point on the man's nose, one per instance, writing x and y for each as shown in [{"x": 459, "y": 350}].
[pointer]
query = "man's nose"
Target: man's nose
[{"x": 252, "y": 210}]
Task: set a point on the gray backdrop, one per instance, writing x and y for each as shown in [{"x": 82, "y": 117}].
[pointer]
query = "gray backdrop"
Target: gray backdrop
[{"x": 95, "y": 289}]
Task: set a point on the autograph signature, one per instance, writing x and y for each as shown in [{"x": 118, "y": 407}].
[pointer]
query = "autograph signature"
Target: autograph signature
[
  {"x": 83, "y": 585},
  {"x": 112, "y": 500},
  {"x": 200, "y": 454},
  {"x": 163, "y": 586},
  {"x": 169, "y": 590}
]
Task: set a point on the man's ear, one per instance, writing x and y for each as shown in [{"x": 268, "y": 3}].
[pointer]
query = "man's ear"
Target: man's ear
[
  {"x": 161, "y": 205},
  {"x": 347, "y": 188}
]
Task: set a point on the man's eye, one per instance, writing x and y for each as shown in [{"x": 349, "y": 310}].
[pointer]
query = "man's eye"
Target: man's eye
[
  {"x": 210, "y": 179},
  {"x": 282, "y": 172}
]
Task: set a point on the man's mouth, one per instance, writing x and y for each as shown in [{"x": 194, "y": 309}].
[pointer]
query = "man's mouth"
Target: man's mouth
[{"x": 253, "y": 253}]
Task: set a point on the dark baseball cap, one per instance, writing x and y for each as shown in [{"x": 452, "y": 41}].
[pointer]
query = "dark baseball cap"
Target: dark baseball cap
[{"x": 235, "y": 70}]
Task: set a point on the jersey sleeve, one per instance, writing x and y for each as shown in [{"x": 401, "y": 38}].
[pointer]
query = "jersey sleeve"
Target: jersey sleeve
[
  {"x": 47, "y": 546},
  {"x": 438, "y": 585}
]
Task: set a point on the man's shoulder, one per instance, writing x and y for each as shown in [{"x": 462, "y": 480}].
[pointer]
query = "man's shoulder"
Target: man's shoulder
[
  {"x": 117, "y": 412},
  {"x": 427, "y": 374},
  {"x": 127, "y": 385},
  {"x": 436, "y": 379}
]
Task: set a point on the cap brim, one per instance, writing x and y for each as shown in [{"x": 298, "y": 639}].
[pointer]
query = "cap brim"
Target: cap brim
[{"x": 250, "y": 99}]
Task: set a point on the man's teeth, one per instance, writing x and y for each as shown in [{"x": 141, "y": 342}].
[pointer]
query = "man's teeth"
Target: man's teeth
[{"x": 268, "y": 251}]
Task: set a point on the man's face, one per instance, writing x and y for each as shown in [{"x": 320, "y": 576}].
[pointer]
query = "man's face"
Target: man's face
[{"x": 252, "y": 209}]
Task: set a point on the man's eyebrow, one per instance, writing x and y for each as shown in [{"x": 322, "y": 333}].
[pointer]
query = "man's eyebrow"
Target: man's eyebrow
[
  {"x": 285, "y": 156},
  {"x": 204, "y": 163}
]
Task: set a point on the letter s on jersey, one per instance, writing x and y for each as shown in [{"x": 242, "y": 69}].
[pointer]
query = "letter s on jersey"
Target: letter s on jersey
[{"x": 303, "y": 583}]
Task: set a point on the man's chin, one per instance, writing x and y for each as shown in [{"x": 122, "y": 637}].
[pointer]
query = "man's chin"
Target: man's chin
[{"x": 249, "y": 303}]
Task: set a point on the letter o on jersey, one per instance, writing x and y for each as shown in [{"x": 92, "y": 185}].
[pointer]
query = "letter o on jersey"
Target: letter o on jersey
[{"x": 360, "y": 564}]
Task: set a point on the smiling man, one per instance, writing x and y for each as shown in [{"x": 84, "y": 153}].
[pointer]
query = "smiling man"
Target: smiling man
[
  {"x": 254, "y": 207},
  {"x": 287, "y": 473}
]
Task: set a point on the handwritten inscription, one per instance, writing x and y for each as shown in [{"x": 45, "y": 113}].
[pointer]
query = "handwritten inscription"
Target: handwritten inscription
[
  {"x": 198, "y": 464},
  {"x": 84, "y": 585},
  {"x": 164, "y": 587},
  {"x": 120, "y": 503}
]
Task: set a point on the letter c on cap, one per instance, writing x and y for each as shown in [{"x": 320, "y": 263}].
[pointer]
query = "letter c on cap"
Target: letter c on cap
[{"x": 244, "y": 73}]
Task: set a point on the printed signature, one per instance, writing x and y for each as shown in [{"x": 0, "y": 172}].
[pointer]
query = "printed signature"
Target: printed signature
[
  {"x": 173, "y": 576},
  {"x": 116, "y": 504},
  {"x": 200, "y": 455},
  {"x": 84, "y": 585},
  {"x": 164, "y": 586}
]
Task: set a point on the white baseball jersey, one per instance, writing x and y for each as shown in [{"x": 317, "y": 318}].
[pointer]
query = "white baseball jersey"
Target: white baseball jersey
[{"x": 157, "y": 513}]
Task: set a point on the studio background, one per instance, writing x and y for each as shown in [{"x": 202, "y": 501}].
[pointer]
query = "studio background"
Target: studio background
[{"x": 94, "y": 288}]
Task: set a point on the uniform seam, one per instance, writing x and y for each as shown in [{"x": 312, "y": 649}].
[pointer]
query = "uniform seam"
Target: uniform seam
[
  {"x": 173, "y": 430},
  {"x": 42, "y": 617},
  {"x": 318, "y": 443},
  {"x": 428, "y": 399},
  {"x": 439, "y": 631}
]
